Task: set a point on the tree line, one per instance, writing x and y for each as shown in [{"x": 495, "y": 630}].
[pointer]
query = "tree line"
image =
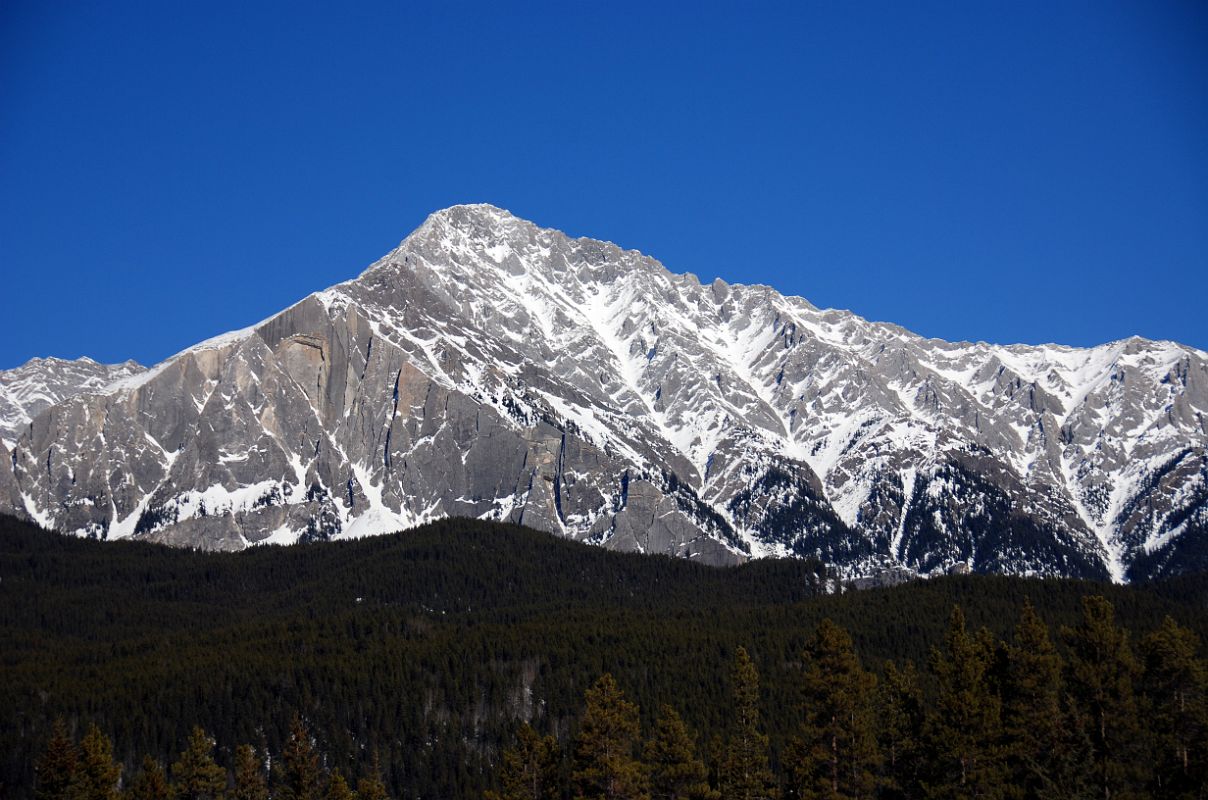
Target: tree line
[
  {"x": 985, "y": 718},
  {"x": 430, "y": 646},
  {"x": 87, "y": 770}
]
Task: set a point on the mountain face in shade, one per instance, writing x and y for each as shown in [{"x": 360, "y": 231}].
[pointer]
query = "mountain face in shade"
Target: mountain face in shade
[{"x": 491, "y": 368}]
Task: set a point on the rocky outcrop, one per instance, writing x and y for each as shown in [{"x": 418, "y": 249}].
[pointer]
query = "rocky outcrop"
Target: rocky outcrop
[{"x": 39, "y": 383}]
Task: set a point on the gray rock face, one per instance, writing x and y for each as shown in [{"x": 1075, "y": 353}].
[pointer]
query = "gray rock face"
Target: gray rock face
[
  {"x": 491, "y": 368},
  {"x": 39, "y": 383}
]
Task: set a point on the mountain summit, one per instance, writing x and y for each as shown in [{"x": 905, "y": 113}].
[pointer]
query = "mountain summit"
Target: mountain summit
[{"x": 491, "y": 368}]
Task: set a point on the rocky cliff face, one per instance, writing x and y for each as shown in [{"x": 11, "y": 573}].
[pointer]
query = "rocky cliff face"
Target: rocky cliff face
[
  {"x": 39, "y": 383},
  {"x": 491, "y": 368}
]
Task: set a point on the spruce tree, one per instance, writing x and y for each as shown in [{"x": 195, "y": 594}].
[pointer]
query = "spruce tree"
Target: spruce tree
[
  {"x": 901, "y": 713},
  {"x": 964, "y": 732},
  {"x": 97, "y": 775},
  {"x": 300, "y": 776},
  {"x": 835, "y": 753},
  {"x": 371, "y": 786},
  {"x": 715, "y": 756},
  {"x": 195, "y": 775},
  {"x": 1175, "y": 682},
  {"x": 250, "y": 780},
  {"x": 57, "y": 765},
  {"x": 745, "y": 774},
  {"x": 1102, "y": 671},
  {"x": 150, "y": 782},
  {"x": 338, "y": 788},
  {"x": 528, "y": 770},
  {"x": 371, "y": 789},
  {"x": 1048, "y": 754},
  {"x": 604, "y": 765},
  {"x": 1033, "y": 718},
  {"x": 675, "y": 770}
]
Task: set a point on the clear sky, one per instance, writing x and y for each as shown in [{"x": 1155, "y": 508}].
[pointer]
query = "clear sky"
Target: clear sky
[{"x": 972, "y": 170}]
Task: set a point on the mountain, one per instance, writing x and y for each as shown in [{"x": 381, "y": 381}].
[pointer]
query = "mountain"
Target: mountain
[
  {"x": 39, "y": 383},
  {"x": 30, "y": 389},
  {"x": 491, "y": 368}
]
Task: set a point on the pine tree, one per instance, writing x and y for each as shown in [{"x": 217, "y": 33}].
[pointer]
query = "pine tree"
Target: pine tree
[
  {"x": 1102, "y": 671},
  {"x": 745, "y": 774},
  {"x": 901, "y": 713},
  {"x": 835, "y": 753},
  {"x": 715, "y": 756},
  {"x": 250, "y": 780},
  {"x": 57, "y": 765},
  {"x": 371, "y": 789},
  {"x": 150, "y": 782},
  {"x": 338, "y": 788},
  {"x": 1175, "y": 683},
  {"x": 1047, "y": 751},
  {"x": 371, "y": 786},
  {"x": 97, "y": 775},
  {"x": 195, "y": 775},
  {"x": 528, "y": 769},
  {"x": 300, "y": 776},
  {"x": 964, "y": 734},
  {"x": 676, "y": 772},
  {"x": 1033, "y": 719},
  {"x": 604, "y": 765}
]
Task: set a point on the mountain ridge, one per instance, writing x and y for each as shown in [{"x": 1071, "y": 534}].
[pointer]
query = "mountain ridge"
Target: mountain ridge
[
  {"x": 714, "y": 421},
  {"x": 27, "y": 390}
]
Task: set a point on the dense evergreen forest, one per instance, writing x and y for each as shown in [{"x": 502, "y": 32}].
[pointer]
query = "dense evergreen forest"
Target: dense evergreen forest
[{"x": 466, "y": 657}]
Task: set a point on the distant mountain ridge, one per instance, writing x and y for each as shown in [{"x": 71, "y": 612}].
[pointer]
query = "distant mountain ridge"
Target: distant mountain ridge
[
  {"x": 39, "y": 383},
  {"x": 491, "y": 368}
]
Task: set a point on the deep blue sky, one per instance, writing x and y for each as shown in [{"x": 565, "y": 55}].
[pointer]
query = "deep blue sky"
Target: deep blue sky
[{"x": 971, "y": 170}]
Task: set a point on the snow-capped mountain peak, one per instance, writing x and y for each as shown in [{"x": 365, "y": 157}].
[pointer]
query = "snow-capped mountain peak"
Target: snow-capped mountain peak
[{"x": 490, "y": 367}]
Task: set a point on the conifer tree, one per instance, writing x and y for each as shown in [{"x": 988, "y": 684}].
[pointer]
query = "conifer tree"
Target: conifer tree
[
  {"x": 371, "y": 789},
  {"x": 1033, "y": 719},
  {"x": 745, "y": 774},
  {"x": 604, "y": 765},
  {"x": 97, "y": 774},
  {"x": 901, "y": 713},
  {"x": 250, "y": 780},
  {"x": 1102, "y": 670},
  {"x": 57, "y": 765},
  {"x": 715, "y": 756},
  {"x": 1074, "y": 764},
  {"x": 528, "y": 769},
  {"x": 1175, "y": 683},
  {"x": 835, "y": 753},
  {"x": 300, "y": 775},
  {"x": 338, "y": 788},
  {"x": 195, "y": 775},
  {"x": 1047, "y": 751},
  {"x": 676, "y": 772},
  {"x": 150, "y": 782},
  {"x": 963, "y": 735},
  {"x": 371, "y": 786}
]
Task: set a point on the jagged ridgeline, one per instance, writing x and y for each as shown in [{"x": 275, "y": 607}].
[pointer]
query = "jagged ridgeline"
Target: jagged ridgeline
[
  {"x": 490, "y": 368},
  {"x": 432, "y": 646}
]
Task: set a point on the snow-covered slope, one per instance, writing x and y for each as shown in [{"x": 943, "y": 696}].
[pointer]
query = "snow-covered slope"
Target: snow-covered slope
[{"x": 489, "y": 367}]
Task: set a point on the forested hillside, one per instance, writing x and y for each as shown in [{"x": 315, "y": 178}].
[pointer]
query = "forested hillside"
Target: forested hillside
[{"x": 429, "y": 649}]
